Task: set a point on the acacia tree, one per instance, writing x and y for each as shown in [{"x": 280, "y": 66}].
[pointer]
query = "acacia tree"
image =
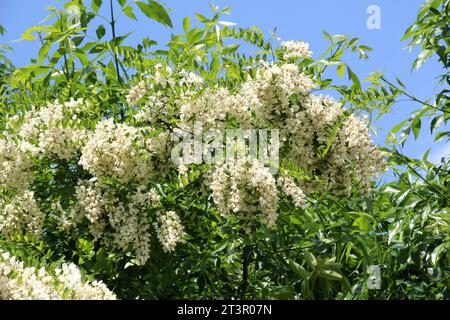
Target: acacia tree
[{"x": 86, "y": 175}]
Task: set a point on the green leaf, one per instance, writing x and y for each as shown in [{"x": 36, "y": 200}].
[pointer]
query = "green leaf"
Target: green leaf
[
  {"x": 295, "y": 221},
  {"x": 101, "y": 260},
  {"x": 194, "y": 35},
  {"x": 395, "y": 129},
  {"x": 23, "y": 74},
  {"x": 310, "y": 259},
  {"x": 128, "y": 10},
  {"x": 96, "y": 4},
  {"x": 330, "y": 275},
  {"x": 363, "y": 223},
  {"x": 28, "y": 34},
  {"x": 230, "y": 48},
  {"x": 409, "y": 32},
  {"x": 341, "y": 70},
  {"x": 221, "y": 245},
  {"x": 298, "y": 269},
  {"x": 423, "y": 56},
  {"x": 215, "y": 65},
  {"x": 441, "y": 135},
  {"x": 398, "y": 126},
  {"x": 436, "y": 123},
  {"x": 186, "y": 24},
  {"x": 437, "y": 252},
  {"x": 201, "y": 18},
  {"x": 331, "y": 140},
  {"x": 352, "y": 76},
  {"x": 393, "y": 232},
  {"x": 43, "y": 51},
  {"x": 402, "y": 196},
  {"x": 416, "y": 125},
  {"x": 326, "y": 35},
  {"x": 81, "y": 55},
  {"x": 399, "y": 82},
  {"x": 100, "y": 31},
  {"x": 155, "y": 11},
  {"x": 226, "y": 10},
  {"x": 391, "y": 189},
  {"x": 425, "y": 156}
]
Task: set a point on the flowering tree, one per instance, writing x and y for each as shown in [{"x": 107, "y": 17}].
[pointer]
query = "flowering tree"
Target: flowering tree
[{"x": 92, "y": 170}]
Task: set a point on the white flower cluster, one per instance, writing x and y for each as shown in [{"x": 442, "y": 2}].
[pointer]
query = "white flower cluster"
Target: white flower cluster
[
  {"x": 21, "y": 214},
  {"x": 116, "y": 150},
  {"x": 136, "y": 93},
  {"x": 351, "y": 157},
  {"x": 329, "y": 147},
  {"x": 291, "y": 189},
  {"x": 45, "y": 131},
  {"x": 295, "y": 49},
  {"x": 70, "y": 276},
  {"x": 155, "y": 106},
  {"x": 169, "y": 230},
  {"x": 212, "y": 107},
  {"x": 126, "y": 220},
  {"x": 274, "y": 86},
  {"x": 166, "y": 91},
  {"x": 18, "y": 282},
  {"x": 65, "y": 219},
  {"x": 266, "y": 96},
  {"x": 15, "y": 165},
  {"x": 190, "y": 79},
  {"x": 306, "y": 126},
  {"x": 354, "y": 156},
  {"x": 245, "y": 187}
]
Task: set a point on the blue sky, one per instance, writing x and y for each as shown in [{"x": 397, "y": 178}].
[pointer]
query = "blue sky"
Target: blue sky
[{"x": 298, "y": 20}]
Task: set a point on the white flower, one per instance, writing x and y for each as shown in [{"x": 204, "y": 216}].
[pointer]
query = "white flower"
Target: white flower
[
  {"x": 291, "y": 189},
  {"x": 127, "y": 221},
  {"x": 15, "y": 165},
  {"x": 136, "y": 93},
  {"x": 245, "y": 187},
  {"x": 295, "y": 49},
  {"x": 169, "y": 229},
  {"x": 21, "y": 214},
  {"x": 116, "y": 150},
  {"x": 42, "y": 131},
  {"x": 18, "y": 282}
]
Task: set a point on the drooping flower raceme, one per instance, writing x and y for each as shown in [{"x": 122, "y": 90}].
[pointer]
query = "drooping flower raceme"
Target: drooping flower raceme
[
  {"x": 19, "y": 282},
  {"x": 295, "y": 49},
  {"x": 15, "y": 165},
  {"x": 245, "y": 186},
  {"x": 21, "y": 215},
  {"x": 291, "y": 189},
  {"x": 169, "y": 229},
  {"x": 116, "y": 150},
  {"x": 136, "y": 93},
  {"x": 267, "y": 96},
  {"x": 165, "y": 91},
  {"x": 126, "y": 220},
  {"x": 52, "y": 130}
]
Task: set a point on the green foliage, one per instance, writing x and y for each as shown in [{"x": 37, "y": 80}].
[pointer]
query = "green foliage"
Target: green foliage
[{"x": 431, "y": 33}]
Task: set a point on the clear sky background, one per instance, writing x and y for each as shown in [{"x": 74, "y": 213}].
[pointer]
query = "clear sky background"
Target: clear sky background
[{"x": 297, "y": 20}]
